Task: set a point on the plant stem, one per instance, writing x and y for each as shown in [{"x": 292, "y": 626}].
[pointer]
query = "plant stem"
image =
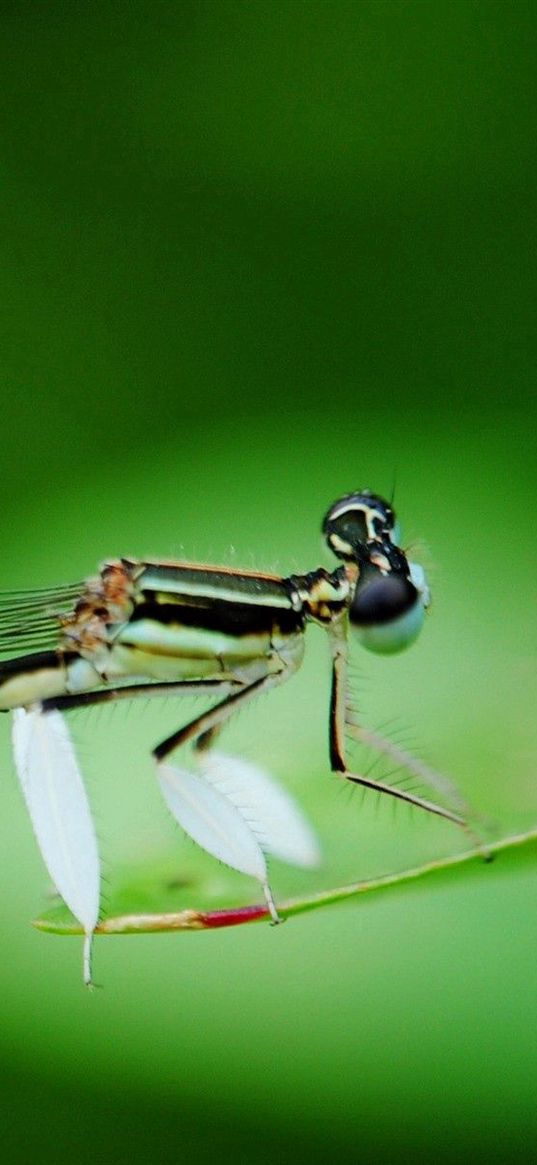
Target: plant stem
[{"x": 183, "y": 920}]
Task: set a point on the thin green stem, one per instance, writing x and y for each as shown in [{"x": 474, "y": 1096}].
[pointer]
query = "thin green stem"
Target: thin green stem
[{"x": 183, "y": 920}]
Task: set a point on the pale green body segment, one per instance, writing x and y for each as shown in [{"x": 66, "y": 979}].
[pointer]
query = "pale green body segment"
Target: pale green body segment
[
  {"x": 147, "y": 650},
  {"x": 164, "y": 653},
  {"x": 25, "y": 688},
  {"x": 147, "y": 637}
]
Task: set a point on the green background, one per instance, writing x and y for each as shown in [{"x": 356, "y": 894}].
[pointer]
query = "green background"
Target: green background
[{"x": 255, "y": 255}]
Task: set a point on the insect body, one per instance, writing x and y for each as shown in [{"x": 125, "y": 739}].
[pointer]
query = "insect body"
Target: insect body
[{"x": 153, "y": 627}]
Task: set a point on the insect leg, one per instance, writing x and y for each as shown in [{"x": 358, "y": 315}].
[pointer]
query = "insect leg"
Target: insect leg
[
  {"x": 68, "y": 703},
  {"x": 202, "y": 729},
  {"x": 339, "y": 722}
]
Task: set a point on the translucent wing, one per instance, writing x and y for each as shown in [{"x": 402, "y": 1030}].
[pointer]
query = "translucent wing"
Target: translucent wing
[{"x": 29, "y": 620}]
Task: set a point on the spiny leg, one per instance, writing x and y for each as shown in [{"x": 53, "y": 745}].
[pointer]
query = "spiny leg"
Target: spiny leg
[
  {"x": 214, "y": 718},
  {"x": 69, "y": 702},
  {"x": 338, "y": 724},
  {"x": 401, "y": 756}
]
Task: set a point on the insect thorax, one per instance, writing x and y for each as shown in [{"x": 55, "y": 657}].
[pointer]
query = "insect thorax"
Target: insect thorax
[{"x": 325, "y": 595}]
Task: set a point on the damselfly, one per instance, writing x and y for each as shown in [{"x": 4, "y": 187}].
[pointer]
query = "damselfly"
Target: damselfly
[{"x": 148, "y": 627}]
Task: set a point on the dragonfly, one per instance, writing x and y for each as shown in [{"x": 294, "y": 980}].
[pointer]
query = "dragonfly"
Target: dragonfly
[{"x": 147, "y": 627}]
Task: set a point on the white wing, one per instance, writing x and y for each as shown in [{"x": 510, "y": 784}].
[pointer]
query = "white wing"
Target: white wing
[
  {"x": 237, "y": 813},
  {"x": 211, "y": 819},
  {"x": 274, "y": 815},
  {"x": 58, "y": 806},
  {"x": 216, "y": 824}
]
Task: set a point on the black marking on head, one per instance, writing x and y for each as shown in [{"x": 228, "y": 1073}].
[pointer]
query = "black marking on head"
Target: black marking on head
[{"x": 355, "y": 519}]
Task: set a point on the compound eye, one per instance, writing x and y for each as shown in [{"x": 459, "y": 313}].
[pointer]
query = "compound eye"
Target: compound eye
[
  {"x": 381, "y": 600},
  {"x": 387, "y": 613}
]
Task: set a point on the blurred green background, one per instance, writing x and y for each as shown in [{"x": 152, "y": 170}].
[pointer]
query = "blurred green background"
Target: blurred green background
[{"x": 255, "y": 255}]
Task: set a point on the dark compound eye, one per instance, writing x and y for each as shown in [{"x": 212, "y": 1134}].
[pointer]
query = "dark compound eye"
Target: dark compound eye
[
  {"x": 382, "y": 599},
  {"x": 388, "y": 605}
]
